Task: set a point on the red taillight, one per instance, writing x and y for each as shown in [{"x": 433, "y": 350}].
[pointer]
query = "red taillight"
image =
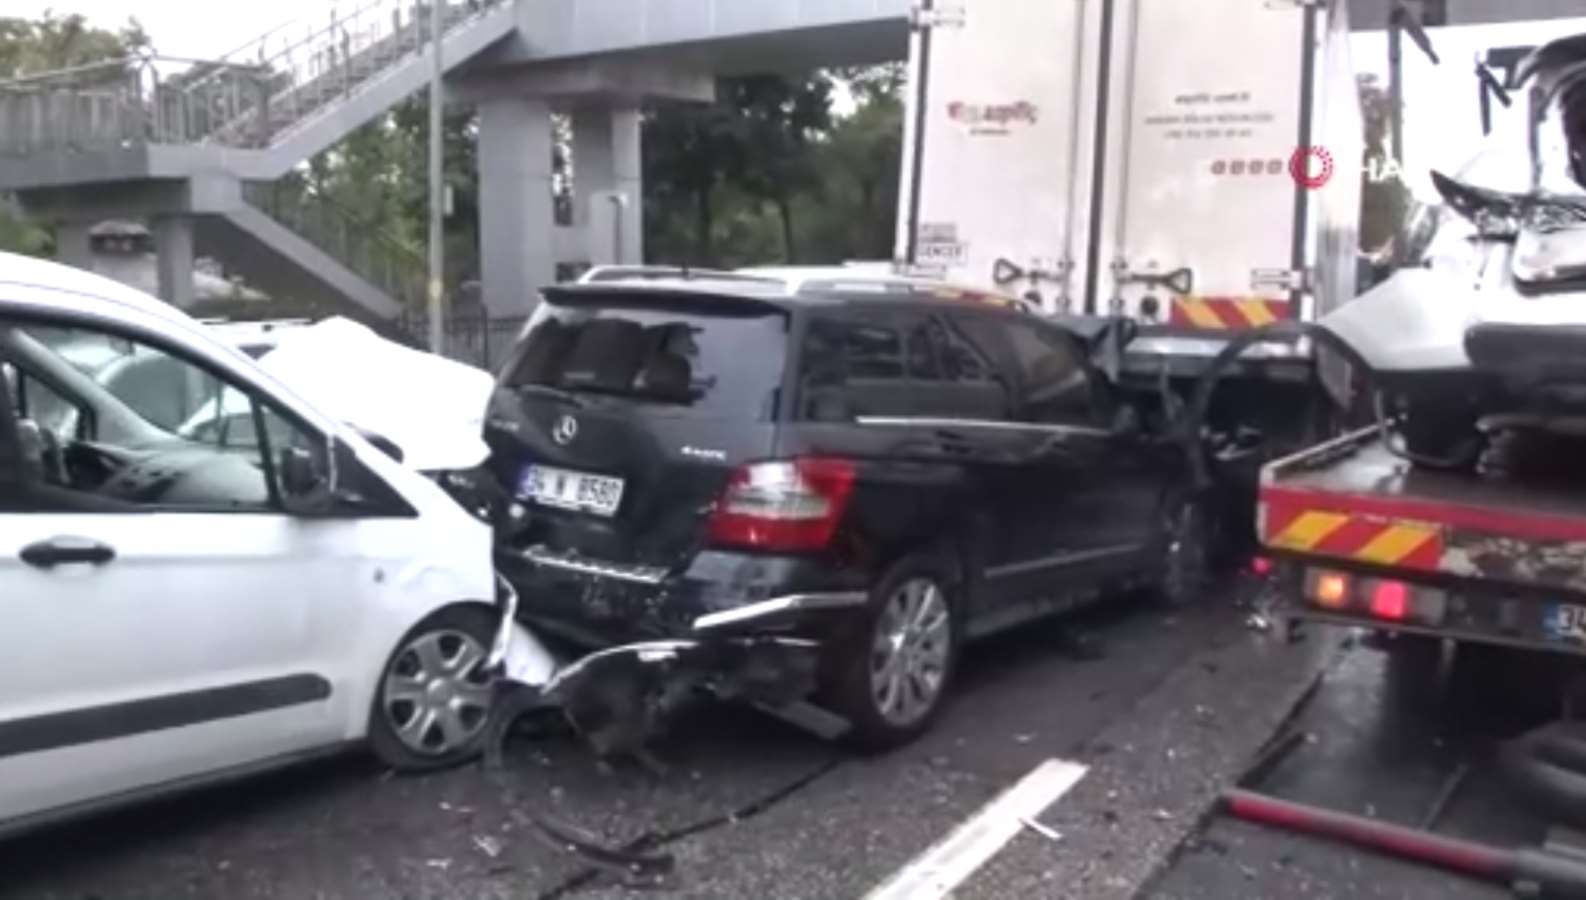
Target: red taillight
[
  {"x": 787, "y": 505},
  {"x": 1260, "y": 566},
  {"x": 1390, "y": 600}
]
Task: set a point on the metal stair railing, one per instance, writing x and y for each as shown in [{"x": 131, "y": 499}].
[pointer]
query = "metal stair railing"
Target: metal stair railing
[
  {"x": 246, "y": 99},
  {"x": 376, "y": 256}
]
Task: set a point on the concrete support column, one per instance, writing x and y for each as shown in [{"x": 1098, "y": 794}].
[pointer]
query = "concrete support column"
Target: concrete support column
[
  {"x": 173, "y": 247},
  {"x": 73, "y": 245},
  {"x": 516, "y": 214},
  {"x": 608, "y": 183}
]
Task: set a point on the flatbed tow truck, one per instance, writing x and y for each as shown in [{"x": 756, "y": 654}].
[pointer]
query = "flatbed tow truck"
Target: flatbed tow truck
[{"x": 1366, "y": 538}]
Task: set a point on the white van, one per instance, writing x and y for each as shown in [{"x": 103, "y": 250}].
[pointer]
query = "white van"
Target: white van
[{"x": 178, "y": 610}]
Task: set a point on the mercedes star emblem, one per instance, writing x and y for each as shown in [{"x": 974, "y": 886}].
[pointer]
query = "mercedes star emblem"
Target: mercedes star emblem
[{"x": 566, "y": 429}]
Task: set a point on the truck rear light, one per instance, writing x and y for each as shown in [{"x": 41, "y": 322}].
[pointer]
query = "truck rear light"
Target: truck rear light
[
  {"x": 784, "y": 505},
  {"x": 1390, "y": 600},
  {"x": 1328, "y": 589},
  {"x": 1261, "y": 566}
]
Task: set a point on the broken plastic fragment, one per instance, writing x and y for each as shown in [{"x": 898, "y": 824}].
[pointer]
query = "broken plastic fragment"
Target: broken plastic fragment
[{"x": 488, "y": 845}]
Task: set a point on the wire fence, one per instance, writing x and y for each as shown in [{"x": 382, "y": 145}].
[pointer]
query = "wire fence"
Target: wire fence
[{"x": 473, "y": 337}]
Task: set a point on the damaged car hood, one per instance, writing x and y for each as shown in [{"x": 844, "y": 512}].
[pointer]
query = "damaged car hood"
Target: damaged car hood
[{"x": 431, "y": 407}]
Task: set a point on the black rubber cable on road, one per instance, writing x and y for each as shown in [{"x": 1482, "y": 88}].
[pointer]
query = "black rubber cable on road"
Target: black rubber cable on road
[{"x": 651, "y": 841}]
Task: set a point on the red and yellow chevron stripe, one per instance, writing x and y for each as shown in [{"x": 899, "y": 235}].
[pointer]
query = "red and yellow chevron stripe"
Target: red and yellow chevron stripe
[
  {"x": 1353, "y": 536},
  {"x": 1226, "y": 313}
]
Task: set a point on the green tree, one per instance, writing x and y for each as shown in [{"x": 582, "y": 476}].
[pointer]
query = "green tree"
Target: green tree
[
  {"x": 48, "y": 44},
  {"x": 690, "y": 151},
  {"x": 53, "y": 42},
  {"x": 777, "y": 122},
  {"x": 860, "y": 161}
]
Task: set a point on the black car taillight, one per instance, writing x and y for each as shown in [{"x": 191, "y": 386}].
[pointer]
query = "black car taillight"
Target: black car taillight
[{"x": 783, "y": 505}]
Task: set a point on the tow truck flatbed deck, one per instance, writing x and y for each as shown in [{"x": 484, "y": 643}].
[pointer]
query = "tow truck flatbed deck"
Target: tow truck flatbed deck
[
  {"x": 1361, "y": 465},
  {"x": 1472, "y": 555}
]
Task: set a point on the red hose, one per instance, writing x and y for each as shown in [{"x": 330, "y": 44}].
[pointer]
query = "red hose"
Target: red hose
[{"x": 1468, "y": 857}]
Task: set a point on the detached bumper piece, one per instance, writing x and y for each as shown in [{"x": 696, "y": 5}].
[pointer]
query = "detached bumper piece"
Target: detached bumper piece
[{"x": 619, "y": 698}]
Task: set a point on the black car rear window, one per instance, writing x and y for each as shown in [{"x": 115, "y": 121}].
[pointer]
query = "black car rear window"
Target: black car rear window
[{"x": 726, "y": 366}]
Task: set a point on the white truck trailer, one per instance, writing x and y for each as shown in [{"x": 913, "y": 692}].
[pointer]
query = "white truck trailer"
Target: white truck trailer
[{"x": 1192, "y": 164}]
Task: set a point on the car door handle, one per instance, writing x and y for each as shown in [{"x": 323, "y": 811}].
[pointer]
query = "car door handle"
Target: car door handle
[{"x": 60, "y": 551}]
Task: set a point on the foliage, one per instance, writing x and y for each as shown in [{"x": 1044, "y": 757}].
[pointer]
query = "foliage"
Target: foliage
[
  {"x": 53, "y": 42},
  {"x": 50, "y": 43},
  {"x": 770, "y": 173}
]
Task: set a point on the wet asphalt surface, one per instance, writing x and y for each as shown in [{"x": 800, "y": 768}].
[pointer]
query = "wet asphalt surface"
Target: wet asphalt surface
[{"x": 1166, "y": 706}]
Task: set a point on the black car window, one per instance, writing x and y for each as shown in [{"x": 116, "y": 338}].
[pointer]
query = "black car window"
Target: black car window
[
  {"x": 1054, "y": 381},
  {"x": 683, "y": 362},
  {"x": 903, "y": 364},
  {"x": 1048, "y": 375},
  {"x": 924, "y": 364},
  {"x": 124, "y": 455}
]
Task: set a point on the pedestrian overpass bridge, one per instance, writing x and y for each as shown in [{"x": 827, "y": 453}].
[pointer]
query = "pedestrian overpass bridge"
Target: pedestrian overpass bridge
[{"x": 193, "y": 147}]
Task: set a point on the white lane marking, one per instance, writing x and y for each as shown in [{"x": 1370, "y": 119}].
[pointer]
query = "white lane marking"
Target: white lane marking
[{"x": 947, "y": 864}]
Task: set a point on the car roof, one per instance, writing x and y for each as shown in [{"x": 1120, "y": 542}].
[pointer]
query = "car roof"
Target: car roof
[
  {"x": 783, "y": 288},
  {"x": 89, "y": 292}
]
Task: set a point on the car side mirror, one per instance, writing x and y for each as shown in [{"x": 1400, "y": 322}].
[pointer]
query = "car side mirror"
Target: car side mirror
[
  {"x": 300, "y": 474},
  {"x": 308, "y": 485}
]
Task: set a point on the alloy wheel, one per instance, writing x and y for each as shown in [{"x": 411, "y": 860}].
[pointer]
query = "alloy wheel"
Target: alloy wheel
[{"x": 909, "y": 652}]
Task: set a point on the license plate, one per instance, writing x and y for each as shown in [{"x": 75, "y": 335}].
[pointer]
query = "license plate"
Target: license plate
[
  {"x": 566, "y": 489},
  {"x": 1566, "y": 621}
]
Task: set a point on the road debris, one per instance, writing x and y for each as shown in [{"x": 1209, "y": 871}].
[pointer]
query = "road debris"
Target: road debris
[
  {"x": 1045, "y": 831},
  {"x": 488, "y": 845}
]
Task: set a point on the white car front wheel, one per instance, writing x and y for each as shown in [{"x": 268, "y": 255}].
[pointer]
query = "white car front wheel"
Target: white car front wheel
[{"x": 434, "y": 700}]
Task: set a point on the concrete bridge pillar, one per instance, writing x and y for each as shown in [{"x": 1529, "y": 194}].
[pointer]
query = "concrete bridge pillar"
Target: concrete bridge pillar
[
  {"x": 516, "y": 210},
  {"x": 608, "y": 183},
  {"x": 74, "y": 245},
  {"x": 173, "y": 247}
]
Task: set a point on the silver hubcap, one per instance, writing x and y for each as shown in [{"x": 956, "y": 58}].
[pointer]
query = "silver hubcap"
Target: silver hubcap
[
  {"x": 436, "y": 698},
  {"x": 908, "y": 657}
]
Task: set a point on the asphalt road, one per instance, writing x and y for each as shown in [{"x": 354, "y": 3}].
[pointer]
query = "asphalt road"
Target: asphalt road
[
  {"x": 1165, "y": 707},
  {"x": 1391, "y": 735}
]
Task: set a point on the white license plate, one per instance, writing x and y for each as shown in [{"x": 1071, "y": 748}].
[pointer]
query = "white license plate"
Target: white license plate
[
  {"x": 1566, "y": 621},
  {"x": 566, "y": 489}
]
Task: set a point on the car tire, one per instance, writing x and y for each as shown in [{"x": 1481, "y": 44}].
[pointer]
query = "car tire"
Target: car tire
[
  {"x": 890, "y": 677},
  {"x": 1189, "y": 534},
  {"x": 433, "y": 701},
  {"x": 1441, "y": 437}
]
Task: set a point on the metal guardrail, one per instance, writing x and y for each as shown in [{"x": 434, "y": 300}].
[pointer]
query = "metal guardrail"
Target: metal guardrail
[
  {"x": 246, "y": 99},
  {"x": 376, "y": 256},
  {"x": 472, "y": 335}
]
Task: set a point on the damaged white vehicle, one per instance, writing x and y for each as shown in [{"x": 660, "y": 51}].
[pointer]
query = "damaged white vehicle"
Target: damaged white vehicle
[
  {"x": 1489, "y": 334},
  {"x": 192, "y": 603}
]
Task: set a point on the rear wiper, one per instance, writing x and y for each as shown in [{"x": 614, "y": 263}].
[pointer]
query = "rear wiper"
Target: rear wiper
[{"x": 554, "y": 393}]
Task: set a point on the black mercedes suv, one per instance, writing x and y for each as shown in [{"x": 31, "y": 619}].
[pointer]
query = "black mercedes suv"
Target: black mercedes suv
[{"x": 880, "y": 472}]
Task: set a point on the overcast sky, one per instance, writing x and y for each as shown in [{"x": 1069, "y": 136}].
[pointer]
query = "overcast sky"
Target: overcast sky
[{"x": 1441, "y": 119}]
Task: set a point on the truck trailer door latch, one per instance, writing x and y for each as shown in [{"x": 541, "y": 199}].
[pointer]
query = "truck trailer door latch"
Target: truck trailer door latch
[
  {"x": 1005, "y": 271},
  {"x": 1179, "y": 281},
  {"x": 1280, "y": 280}
]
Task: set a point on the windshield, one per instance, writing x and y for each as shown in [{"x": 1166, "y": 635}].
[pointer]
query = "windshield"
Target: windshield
[{"x": 726, "y": 366}]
